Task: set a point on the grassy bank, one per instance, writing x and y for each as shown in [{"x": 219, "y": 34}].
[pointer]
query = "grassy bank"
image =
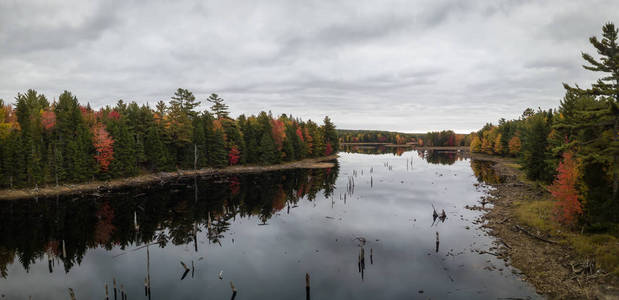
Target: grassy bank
[{"x": 67, "y": 189}]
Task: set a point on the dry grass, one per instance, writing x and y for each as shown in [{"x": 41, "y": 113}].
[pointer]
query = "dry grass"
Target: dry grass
[{"x": 603, "y": 248}]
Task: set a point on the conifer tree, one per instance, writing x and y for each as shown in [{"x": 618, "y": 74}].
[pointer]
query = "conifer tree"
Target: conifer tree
[{"x": 219, "y": 108}]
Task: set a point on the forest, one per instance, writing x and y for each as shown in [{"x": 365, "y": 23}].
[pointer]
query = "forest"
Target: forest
[
  {"x": 444, "y": 138},
  {"x": 376, "y": 136},
  {"x": 573, "y": 149},
  {"x": 43, "y": 142}
]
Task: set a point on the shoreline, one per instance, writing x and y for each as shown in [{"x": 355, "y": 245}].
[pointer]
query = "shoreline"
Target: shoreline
[
  {"x": 77, "y": 188},
  {"x": 546, "y": 259}
]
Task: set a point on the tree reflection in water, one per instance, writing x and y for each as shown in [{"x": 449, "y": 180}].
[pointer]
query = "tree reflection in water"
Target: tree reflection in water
[
  {"x": 484, "y": 171},
  {"x": 65, "y": 228}
]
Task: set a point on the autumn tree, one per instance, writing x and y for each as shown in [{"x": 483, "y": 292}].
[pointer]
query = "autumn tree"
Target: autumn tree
[
  {"x": 564, "y": 190},
  {"x": 104, "y": 146},
  {"x": 514, "y": 146},
  {"x": 475, "y": 144}
]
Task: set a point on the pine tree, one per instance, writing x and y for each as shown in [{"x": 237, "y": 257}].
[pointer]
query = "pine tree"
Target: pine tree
[
  {"x": 590, "y": 118},
  {"x": 267, "y": 150},
  {"x": 218, "y": 156},
  {"x": 185, "y": 101},
  {"x": 219, "y": 108},
  {"x": 330, "y": 134}
]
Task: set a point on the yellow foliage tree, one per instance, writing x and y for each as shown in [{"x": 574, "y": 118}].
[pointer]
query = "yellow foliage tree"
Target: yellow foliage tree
[
  {"x": 476, "y": 144},
  {"x": 498, "y": 146}
]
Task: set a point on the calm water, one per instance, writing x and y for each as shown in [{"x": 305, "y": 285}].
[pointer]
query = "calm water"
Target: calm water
[{"x": 264, "y": 232}]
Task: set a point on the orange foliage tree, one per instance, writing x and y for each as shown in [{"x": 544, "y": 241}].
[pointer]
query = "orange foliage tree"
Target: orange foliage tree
[
  {"x": 104, "y": 145},
  {"x": 564, "y": 191},
  {"x": 278, "y": 132},
  {"x": 514, "y": 145}
]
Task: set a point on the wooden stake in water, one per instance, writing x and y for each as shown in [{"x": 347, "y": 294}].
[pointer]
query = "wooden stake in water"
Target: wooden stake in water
[
  {"x": 307, "y": 286},
  {"x": 107, "y": 296},
  {"x": 114, "y": 281},
  {"x": 71, "y": 294}
]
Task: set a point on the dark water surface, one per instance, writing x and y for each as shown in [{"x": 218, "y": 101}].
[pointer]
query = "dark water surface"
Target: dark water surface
[{"x": 264, "y": 232}]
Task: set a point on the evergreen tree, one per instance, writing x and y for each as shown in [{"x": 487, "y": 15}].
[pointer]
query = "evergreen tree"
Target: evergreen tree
[
  {"x": 330, "y": 134},
  {"x": 535, "y": 152},
  {"x": 219, "y": 108},
  {"x": 185, "y": 101},
  {"x": 602, "y": 150},
  {"x": 267, "y": 150}
]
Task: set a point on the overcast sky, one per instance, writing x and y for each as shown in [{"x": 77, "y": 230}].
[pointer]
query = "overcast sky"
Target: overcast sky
[{"x": 394, "y": 65}]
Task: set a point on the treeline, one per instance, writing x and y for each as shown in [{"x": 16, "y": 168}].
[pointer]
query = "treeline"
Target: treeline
[
  {"x": 432, "y": 138},
  {"x": 446, "y": 138},
  {"x": 63, "y": 141},
  {"x": 376, "y": 136},
  {"x": 574, "y": 148}
]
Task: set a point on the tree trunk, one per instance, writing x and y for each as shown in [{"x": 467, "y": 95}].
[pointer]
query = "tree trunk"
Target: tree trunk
[{"x": 195, "y": 156}]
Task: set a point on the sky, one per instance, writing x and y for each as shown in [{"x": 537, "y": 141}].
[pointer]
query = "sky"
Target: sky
[{"x": 411, "y": 66}]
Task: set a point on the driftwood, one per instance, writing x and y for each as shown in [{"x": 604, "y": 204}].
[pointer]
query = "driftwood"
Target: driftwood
[
  {"x": 71, "y": 294},
  {"x": 535, "y": 236},
  {"x": 233, "y": 290}
]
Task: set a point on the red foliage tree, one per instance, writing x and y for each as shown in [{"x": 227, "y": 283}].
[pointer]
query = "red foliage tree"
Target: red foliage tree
[
  {"x": 234, "y": 156},
  {"x": 451, "y": 140},
  {"x": 114, "y": 115},
  {"x": 104, "y": 144},
  {"x": 564, "y": 191},
  {"x": 328, "y": 149},
  {"x": 48, "y": 120}
]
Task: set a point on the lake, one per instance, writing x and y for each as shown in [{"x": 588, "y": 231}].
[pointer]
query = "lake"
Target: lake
[{"x": 361, "y": 230}]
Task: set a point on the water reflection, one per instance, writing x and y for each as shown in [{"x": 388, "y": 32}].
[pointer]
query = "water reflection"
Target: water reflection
[
  {"x": 64, "y": 229},
  {"x": 364, "y": 229},
  {"x": 484, "y": 171},
  {"x": 443, "y": 157},
  {"x": 376, "y": 149}
]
